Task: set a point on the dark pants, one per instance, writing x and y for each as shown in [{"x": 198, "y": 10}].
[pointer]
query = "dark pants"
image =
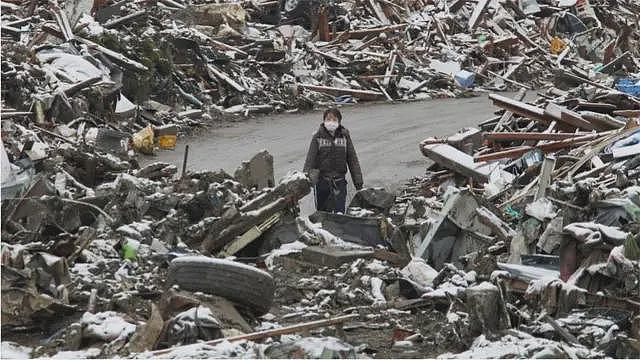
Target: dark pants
[{"x": 331, "y": 195}]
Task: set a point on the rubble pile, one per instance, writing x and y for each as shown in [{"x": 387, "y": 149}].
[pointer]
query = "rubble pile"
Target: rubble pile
[
  {"x": 541, "y": 203},
  {"x": 125, "y": 66}
]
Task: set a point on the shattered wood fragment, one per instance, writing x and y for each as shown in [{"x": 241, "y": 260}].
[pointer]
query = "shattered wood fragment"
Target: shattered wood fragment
[
  {"x": 499, "y": 227},
  {"x": 506, "y": 117},
  {"x": 115, "y": 22},
  {"x": 378, "y": 12}
]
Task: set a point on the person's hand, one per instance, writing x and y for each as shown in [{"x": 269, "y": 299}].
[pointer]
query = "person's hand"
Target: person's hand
[
  {"x": 314, "y": 176},
  {"x": 358, "y": 186}
]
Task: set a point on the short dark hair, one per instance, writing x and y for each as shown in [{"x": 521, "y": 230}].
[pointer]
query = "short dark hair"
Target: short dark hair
[{"x": 333, "y": 111}]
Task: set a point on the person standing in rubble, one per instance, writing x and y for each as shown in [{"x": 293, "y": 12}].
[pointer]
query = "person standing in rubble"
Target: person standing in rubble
[{"x": 330, "y": 152}]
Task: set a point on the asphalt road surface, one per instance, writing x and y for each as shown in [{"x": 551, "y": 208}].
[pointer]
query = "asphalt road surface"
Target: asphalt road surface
[{"x": 385, "y": 136}]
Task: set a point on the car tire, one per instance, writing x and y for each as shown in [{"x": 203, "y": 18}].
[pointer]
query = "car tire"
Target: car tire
[{"x": 245, "y": 285}]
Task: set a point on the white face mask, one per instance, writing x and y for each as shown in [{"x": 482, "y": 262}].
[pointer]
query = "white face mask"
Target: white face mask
[{"x": 331, "y": 125}]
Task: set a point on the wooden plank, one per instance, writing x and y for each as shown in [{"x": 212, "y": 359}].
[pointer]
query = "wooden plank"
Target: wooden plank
[
  {"x": 359, "y": 34},
  {"x": 332, "y": 57},
  {"x": 602, "y": 121},
  {"x": 115, "y": 22},
  {"x": 627, "y": 113},
  {"x": 549, "y": 147},
  {"x": 419, "y": 86},
  {"x": 512, "y": 136},
  {"x": 520, "y": 108},
  {"x": 548, "y": 130},
  {"x": 553, "y": 111},
  {"x": 548, "y": 164},
  {"x": 361, "y": 94},
  {"x": 612, "y": 66},
  {"x": 597, "y": 162},
  {"x": 258, "y": 335},
  {"x": 574, "y": 119},
  {"x": 567, "y": 117},
  {"x": 390, "y": 68},
  {"x": 440, "y": 31},
  {"x": 224, "y": 77},
  {"x": 224, "y": 46},
  {"x": 323, "y": 25},
  {"x": 509, "y": 80},
  {"x": 477, "y": 14}
]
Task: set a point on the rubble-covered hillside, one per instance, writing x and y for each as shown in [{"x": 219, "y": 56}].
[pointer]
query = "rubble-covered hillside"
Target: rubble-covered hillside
[{"x": 522, "y": 239}]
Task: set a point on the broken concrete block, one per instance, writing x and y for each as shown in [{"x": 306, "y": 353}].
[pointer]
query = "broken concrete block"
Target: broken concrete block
[
  {"x": 257, "y": 172},
  {"x": 231, "y": 14},
  {"x": 333, "y": 256},
  {"x": 453, "y": 159},
  {"x": 373, "y": 199},
  {"x": 483, "y": 303}
]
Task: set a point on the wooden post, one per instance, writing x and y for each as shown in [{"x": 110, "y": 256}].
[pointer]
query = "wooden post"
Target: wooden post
[
  {"x": 184, "y": 161},
  {"x": 323, "y": 25}
]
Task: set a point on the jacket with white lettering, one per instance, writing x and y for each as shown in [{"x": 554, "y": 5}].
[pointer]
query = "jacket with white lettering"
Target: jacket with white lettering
[{"x": 331, "y": 154}]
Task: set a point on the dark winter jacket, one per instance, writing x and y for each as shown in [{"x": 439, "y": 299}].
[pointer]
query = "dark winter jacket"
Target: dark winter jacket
[{"x": 332, "y": 154}]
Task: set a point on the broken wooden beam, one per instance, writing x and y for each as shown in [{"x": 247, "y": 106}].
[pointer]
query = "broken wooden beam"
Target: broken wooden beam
[
  {"x": 476, "y": 16},
  {"x": 224, "y": 77},
  {"x": 377, "y": 10},
  {"x": 546, "y": 148},
  {"x": 14, "y": 114},
  {"x": 360, "y": 94},
  {"x": 518, "y": 107},
  {"x": 389, "y": 72},
  {"x": 602, "y": 121},
  {"x": 359, "y": 34},
  {"x": 513, "y": 136}
]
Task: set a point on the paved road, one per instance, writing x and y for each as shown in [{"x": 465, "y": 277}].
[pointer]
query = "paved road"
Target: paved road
[{"x": 385, "y": 136}]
